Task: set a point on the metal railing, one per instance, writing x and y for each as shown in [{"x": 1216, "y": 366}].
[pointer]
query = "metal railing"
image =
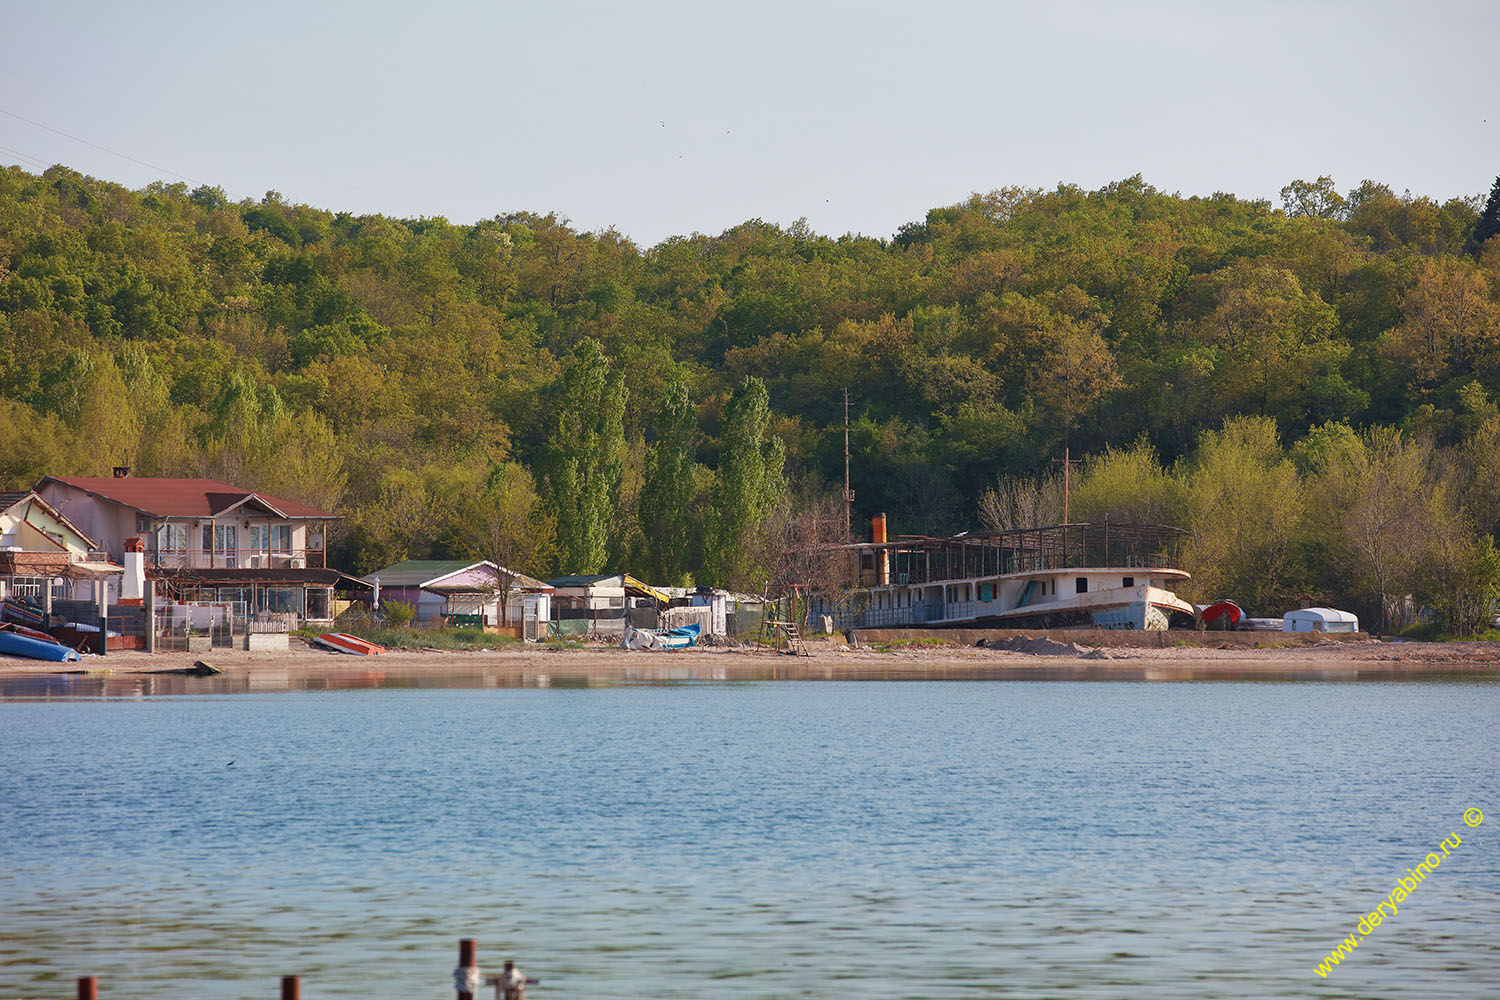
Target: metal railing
[
  {"x": 917, "y": 614},
  {"x": 237, "y": 559}
]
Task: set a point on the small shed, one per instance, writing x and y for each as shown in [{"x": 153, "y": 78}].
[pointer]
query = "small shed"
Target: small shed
[
  {"x": 1319, "y": 620},
  {"x": 717, "y": 601},
  {"x": 455, "y": 589}
]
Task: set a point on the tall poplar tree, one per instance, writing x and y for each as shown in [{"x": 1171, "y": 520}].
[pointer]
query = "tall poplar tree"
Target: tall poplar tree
[
  {"x": 584, "y": 479},
  {"x": 668, "y": 490},
  {"x": 749, "y": 485}
]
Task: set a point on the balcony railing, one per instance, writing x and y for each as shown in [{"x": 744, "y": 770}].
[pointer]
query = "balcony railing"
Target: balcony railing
[{"x": 237, "y": 559}]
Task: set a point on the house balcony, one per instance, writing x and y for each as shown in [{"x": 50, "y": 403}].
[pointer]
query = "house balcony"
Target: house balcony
[{"x": 240, "y": 559}]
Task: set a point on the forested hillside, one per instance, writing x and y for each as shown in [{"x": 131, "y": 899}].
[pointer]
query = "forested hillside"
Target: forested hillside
[{"x": 640, "y": 406}]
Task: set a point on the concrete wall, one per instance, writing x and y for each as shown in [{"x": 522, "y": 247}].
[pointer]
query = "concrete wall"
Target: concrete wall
[{"x": 1106, "y": 637}]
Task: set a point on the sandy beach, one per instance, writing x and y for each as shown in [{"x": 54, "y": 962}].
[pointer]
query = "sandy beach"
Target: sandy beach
[{"x": 303, "y": 665}]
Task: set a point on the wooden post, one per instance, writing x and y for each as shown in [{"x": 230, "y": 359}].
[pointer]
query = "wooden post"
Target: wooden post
[
  {"x": 103, "y": 616},
  {"x": 88, "y": 988},
  {"x": 465, "y": 961},
  {"x": 149, "y": 611},
  {"x": 291, "y": 988}
]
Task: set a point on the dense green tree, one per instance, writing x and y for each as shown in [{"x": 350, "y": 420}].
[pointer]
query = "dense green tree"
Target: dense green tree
[
  {"x": 1487, "y": 226},
  {"x": 748, "y": 486},
  {"x": 501, "y": 518},
  {"x": 585, "y": 468},
  {"x": 667, "y": 493}
]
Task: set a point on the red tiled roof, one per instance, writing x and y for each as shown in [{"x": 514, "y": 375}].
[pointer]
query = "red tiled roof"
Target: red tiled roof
[{"x": 182, "y": 497}]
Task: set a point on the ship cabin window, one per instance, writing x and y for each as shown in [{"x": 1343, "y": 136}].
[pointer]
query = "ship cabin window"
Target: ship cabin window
[
  {"x": 1083, "y": 585},
  {"x": 1129, "y": 581},
  {"x": 986, "y": 591}
]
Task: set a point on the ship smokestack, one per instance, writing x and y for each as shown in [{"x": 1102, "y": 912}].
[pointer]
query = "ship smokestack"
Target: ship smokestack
[{"x": 882, "y": 556}]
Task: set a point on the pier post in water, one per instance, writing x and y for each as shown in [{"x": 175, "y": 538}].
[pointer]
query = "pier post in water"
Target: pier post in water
[
  {"x": 466, "y": 977},
  {"x": 88, "y": 988},
  {"x": 291, "y": 988}
]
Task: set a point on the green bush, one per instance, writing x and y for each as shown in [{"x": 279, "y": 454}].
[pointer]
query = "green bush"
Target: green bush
[{"x": 399, "y": 614}]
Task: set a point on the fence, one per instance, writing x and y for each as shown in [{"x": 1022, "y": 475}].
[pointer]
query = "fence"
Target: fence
[
  {"x": 219, "y": 625},
  {"x": 916, "y": 614}
]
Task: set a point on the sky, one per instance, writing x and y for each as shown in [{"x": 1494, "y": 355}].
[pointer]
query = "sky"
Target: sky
[{"x": 664, "y": 119}]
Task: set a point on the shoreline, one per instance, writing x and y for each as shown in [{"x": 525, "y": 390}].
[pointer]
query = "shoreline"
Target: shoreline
[{"x": 304, "y": 667}]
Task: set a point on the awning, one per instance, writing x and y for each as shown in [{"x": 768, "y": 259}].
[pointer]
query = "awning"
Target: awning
[
  {"x": 55, "y": 566},
  {"x": 313, "y": 577}
]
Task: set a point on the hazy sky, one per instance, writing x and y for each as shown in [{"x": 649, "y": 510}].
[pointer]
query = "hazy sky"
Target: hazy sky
[{"x": 669, "y": 118}]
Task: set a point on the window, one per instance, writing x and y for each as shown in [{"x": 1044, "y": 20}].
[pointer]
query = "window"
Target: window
[
  {"x": 280, "y": 599},
  {"x": 1083, "y": 585},
  {"x": 260, "y": 538},
  {"x": 171, "y": 539},
  {"x": 1129, "y": 581},
  {"x": 317, "y": 603},
  {"x": 220, "y": 540},
  {"x": 281, "y": 538},
  {"x": 986, "y": 591}
]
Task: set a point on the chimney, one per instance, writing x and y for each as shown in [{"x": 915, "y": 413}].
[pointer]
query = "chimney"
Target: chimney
[{"x": 122, "y": 472}]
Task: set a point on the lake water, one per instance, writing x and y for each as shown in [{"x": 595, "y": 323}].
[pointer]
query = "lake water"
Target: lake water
[{"x": 776, "y": 839}]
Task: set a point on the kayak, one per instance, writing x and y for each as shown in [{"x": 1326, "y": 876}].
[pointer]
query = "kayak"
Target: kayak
[
  {"x": 19, "y": 641},
  {"x": 343, "y": 642}
]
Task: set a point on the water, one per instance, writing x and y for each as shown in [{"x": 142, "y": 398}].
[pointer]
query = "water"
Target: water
[{"x": 754, "y": 840}]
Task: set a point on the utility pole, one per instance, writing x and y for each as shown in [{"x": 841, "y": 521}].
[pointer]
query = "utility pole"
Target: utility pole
[
  {"x": 848, "y": 493},
  {"x": 1067, "y": 463},
  {"x": 1067, "y": 460}
]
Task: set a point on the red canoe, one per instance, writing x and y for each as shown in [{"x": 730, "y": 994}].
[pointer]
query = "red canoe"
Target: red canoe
[{"x": 343, "y": 642}]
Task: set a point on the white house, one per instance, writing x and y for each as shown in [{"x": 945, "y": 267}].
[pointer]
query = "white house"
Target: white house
[{"x": 204, "y": 541}]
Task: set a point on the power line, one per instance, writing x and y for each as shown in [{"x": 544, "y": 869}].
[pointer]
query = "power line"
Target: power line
[
  {"x": 26, "y": 156},
  {"x": 112, "y": 152}
]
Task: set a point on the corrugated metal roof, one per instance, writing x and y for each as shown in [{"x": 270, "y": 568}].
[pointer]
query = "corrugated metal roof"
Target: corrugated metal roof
[
  {"x": 415, "y": 572},
  {"x": 518, "y": 581},
  {"x": 183, "y": 497},
  {"x": 420, "y": 572},
  {"x": 584, "y": 581}
]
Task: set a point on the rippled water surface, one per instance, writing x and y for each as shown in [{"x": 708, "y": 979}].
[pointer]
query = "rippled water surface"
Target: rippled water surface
[{"x": 754, "y": 840}]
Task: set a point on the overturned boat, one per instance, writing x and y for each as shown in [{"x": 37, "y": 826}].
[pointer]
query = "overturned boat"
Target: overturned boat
[
  {"x": 661, "y": 638},
  {"x": 1094, "y": 575},
  {"x": 18, "y": 640},
  {"x": 343, "y": 642}
]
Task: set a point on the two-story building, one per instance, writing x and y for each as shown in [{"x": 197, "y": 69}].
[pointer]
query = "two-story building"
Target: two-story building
[
  {"x": 208, "y": 542},
  {"x": 44, "y": 556}
]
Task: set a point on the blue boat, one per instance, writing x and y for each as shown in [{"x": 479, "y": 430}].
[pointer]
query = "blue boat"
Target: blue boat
[{"x": 14, "y": 643}]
